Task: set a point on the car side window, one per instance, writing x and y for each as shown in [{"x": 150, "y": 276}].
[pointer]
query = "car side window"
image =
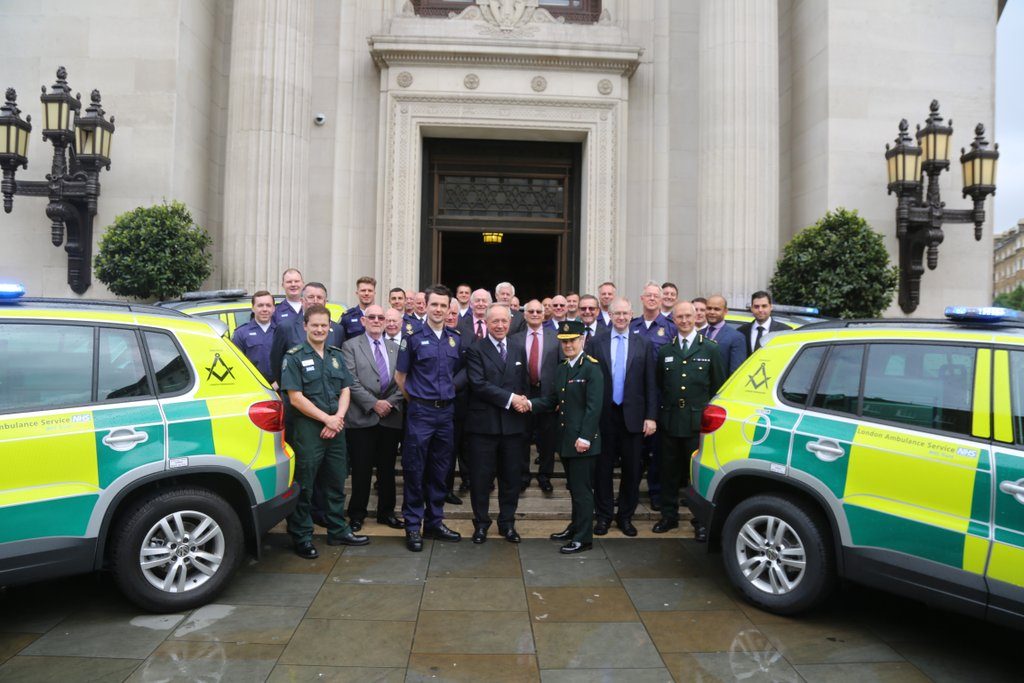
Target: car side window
[
  {"x": 800, "y": 378},
  {"x": 1017, "y": 394},
  {"x": 121, "y": 372},
  {"x": 839, "y": 386},
  {"x": 45, "y": 366},
  {"x": 172, "y": 373},
  {"x": 928, "y": 386}
]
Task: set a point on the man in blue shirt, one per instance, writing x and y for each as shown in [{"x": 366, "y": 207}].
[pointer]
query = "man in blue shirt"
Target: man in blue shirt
[
  {"x": 366, "y": 293},
  {"x": 291, "y": 308},
  {"x": 256, "y": 336},
  {"x": 428, "y": 363}
]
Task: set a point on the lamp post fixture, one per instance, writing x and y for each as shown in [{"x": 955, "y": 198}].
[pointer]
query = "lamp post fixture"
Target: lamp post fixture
[
  {"x": 81, "y": 147},
  {"x": 920, "y": 216}
]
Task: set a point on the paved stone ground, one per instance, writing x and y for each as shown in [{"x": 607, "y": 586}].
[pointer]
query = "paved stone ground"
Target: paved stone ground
[{"x": 637, "y": 610}]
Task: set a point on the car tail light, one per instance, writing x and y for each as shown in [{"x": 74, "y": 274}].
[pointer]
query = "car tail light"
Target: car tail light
[
  {"x": 712, "y": 418},
  {"x": 268, "y": 415}
]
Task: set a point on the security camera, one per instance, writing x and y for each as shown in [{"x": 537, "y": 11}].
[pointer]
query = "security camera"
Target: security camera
[{"x": 320, "y": 119}]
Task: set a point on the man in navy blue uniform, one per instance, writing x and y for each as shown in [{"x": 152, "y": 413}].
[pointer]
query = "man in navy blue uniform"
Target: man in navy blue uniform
[
  {"x": 629, "y": 414},
  {"x": 292, "y": 332},
  {"x": 257, "y": 336},
  {"x": 658, "y": 330},
  {"x": 366, "y": 293},
  {"x": 291, "y": 308},
  {"x": 428, "y": 362}
]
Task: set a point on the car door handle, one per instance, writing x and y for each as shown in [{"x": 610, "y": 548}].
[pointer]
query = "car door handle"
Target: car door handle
[
  {"x": 1014, "y": 488},
  {"x": 826, "y": 450},
  {"x": 124, "y": 439}
]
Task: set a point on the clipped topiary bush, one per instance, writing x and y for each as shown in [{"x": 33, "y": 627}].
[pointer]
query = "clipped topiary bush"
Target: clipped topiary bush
[
  {"x": 840, "y": 265},
  {"x": 154, "y": 252}
]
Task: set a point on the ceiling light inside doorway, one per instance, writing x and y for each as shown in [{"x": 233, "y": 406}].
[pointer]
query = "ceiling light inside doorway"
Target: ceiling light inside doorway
[{"x": 493, "y": 237}]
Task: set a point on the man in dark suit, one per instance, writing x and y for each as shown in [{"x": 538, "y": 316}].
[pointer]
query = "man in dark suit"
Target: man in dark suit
[
  {"x": 542, "y": 356},
  {"x": 293, "y": 333},
  {"x": 731, "y": 345},
  {"x": 373, "y": 422},
  {"x": 628, "y": 415},
  {"x": 755, "y": 331},
  {"x": 495, "y": 424},
  {"x": 588, "y": 308},
  {"x": 504, "y": 293},
  {"x": 473, "y": 325}
]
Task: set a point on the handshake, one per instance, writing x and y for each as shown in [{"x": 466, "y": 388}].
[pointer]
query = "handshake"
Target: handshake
[{"x": 520, "y": 403}]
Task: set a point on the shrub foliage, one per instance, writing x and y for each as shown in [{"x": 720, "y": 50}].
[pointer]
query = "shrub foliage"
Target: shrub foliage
[
  {"x": 154, "y": 252},
  {"x": 839, "y": 265}
]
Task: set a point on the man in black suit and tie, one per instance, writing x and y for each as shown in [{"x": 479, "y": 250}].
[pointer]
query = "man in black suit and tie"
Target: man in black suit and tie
[
  {"x": 628, "y": 415},
  {"x": 373, "y": 423},
  {"x": 543, "y": 354},
  {"x": 589, "y": 309},
  {"x": 732, "y": 347},
  {"x": 754, "y": 332},
  {"x": 495, "y": 423},
  {"x": 473, "y": 325},
  {"x": 504, "y": 293}
]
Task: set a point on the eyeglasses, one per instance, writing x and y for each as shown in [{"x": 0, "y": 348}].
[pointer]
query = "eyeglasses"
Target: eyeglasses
[
  {"x": 558, "y": 305},
  {"x": 534, "y": 311},
  {"x": 373, "y": 317},
  {"x": 588, "y": 308}
]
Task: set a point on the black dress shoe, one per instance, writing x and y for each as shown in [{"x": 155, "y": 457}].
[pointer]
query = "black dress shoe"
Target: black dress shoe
[
  {"x": 511, "y": 535},
  {"x": 536, "y": 461},
  {"x": 413, "y": 540},
  {"x": 452, "y": 499},
  {"x": 480, "y": 535},
  {"x": 463, "y": 487},
  {"x": 626, "y": 526},
  {"x": 546, "y": 487},
  {"x": 663, "y": 525},
  {"x": 391, "y": 521},
  {"x": 700, "y": 533},
  {"x": 442, "y": 533},
  {"x": 600, "y": 527},
  {"x": 573, "y": 547},
  {"x": 563, "y": 535},
  {"x": 522, "y": 487},
  {"x": 348, "y": 538},
  {"x": 306, "y": 550},
  {"x": 355, "y": 524}
]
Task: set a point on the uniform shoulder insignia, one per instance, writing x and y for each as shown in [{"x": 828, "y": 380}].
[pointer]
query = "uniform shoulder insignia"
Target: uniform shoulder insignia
[
  {"x": 336, "y": 348},
  {"x": 592, "y": 359},
  {"x": 294, "y": 349},
  {"x": 455, "y": 331}
]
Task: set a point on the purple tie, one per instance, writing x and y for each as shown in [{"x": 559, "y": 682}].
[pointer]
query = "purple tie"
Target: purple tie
[
  {"x": 714, "y": 332},
  {"x": 501, "y": 350},
  {"x": 382, "y": 366}
]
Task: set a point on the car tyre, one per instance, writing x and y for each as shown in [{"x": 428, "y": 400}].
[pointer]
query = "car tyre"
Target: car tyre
[
  {"x": 177, "y": 549},
  {"x": 778, "y": 552}
]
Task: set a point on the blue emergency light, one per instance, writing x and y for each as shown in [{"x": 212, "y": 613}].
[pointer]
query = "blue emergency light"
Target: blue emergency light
[
  {"x": 983, "y": 314},
  {"x": 798, "y": 310},
  {"x": 11, "y": 290}
]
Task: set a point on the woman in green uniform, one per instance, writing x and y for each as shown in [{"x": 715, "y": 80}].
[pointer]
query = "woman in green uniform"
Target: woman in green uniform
[{"x": 576, "y": 394}]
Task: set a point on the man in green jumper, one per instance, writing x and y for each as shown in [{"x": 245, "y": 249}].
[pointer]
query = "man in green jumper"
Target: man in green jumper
[
  {"x": 317, "y": 381},
  {"x": 577, "y": 394}
]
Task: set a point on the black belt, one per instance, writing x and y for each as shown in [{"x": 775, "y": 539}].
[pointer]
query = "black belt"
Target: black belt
[{"x": 432, "y": 402}]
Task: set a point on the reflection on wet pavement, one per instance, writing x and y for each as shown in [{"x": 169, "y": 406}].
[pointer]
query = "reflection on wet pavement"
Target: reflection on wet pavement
[{"x": 637, "y": 610}]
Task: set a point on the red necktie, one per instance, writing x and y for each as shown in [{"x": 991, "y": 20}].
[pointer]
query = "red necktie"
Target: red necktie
[
  {"x": 534, "y": 359},
  {"x": 479, "y": 329}
]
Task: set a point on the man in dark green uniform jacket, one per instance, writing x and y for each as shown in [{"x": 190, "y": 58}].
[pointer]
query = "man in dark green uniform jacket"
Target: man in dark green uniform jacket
[
  {"x": 577, "y": 393},
  {"x": 317, "y": 381},
  {"x": 688, "y": 373}
]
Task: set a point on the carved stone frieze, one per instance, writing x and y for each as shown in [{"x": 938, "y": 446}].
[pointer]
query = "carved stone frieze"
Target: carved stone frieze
[{"x": 508, "y": 18}]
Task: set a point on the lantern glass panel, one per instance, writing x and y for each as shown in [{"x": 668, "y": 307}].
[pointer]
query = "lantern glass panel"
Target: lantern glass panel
[
  {"x": 987, "y": 171},
  {"x": 7, "y": 133},
  {"x": 23, "y": 142},
  {"x": 891, "y": 168},
  {"x": 968, "y": 168},
  {"x": 107, "y": 137}
]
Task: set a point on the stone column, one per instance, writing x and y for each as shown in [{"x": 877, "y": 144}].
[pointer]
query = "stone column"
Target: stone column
[
  {"x": 267, "y": 159},
  {"x": 738, "y": 164}
]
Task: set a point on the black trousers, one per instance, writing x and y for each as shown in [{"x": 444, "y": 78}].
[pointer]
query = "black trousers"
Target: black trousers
[
  {"x": 617, "y": 442},
  {"x": 490, "y": 455},
  {"x": 674, "y": 471},
  {"x": 543, "y": 426},
  {"x": 369, "y": 448}
]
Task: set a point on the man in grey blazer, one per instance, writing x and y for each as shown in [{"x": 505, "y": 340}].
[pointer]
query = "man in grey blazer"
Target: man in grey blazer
[{"x": 373, "y": 423}]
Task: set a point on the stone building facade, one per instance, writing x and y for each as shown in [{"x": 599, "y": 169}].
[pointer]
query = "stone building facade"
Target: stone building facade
[
  {"x": 1008, "y": 260},
  {"x": 696, "y": 136}
]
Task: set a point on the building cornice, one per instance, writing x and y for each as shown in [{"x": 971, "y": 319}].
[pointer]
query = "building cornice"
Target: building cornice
[{"x": 389, "y": 51}]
